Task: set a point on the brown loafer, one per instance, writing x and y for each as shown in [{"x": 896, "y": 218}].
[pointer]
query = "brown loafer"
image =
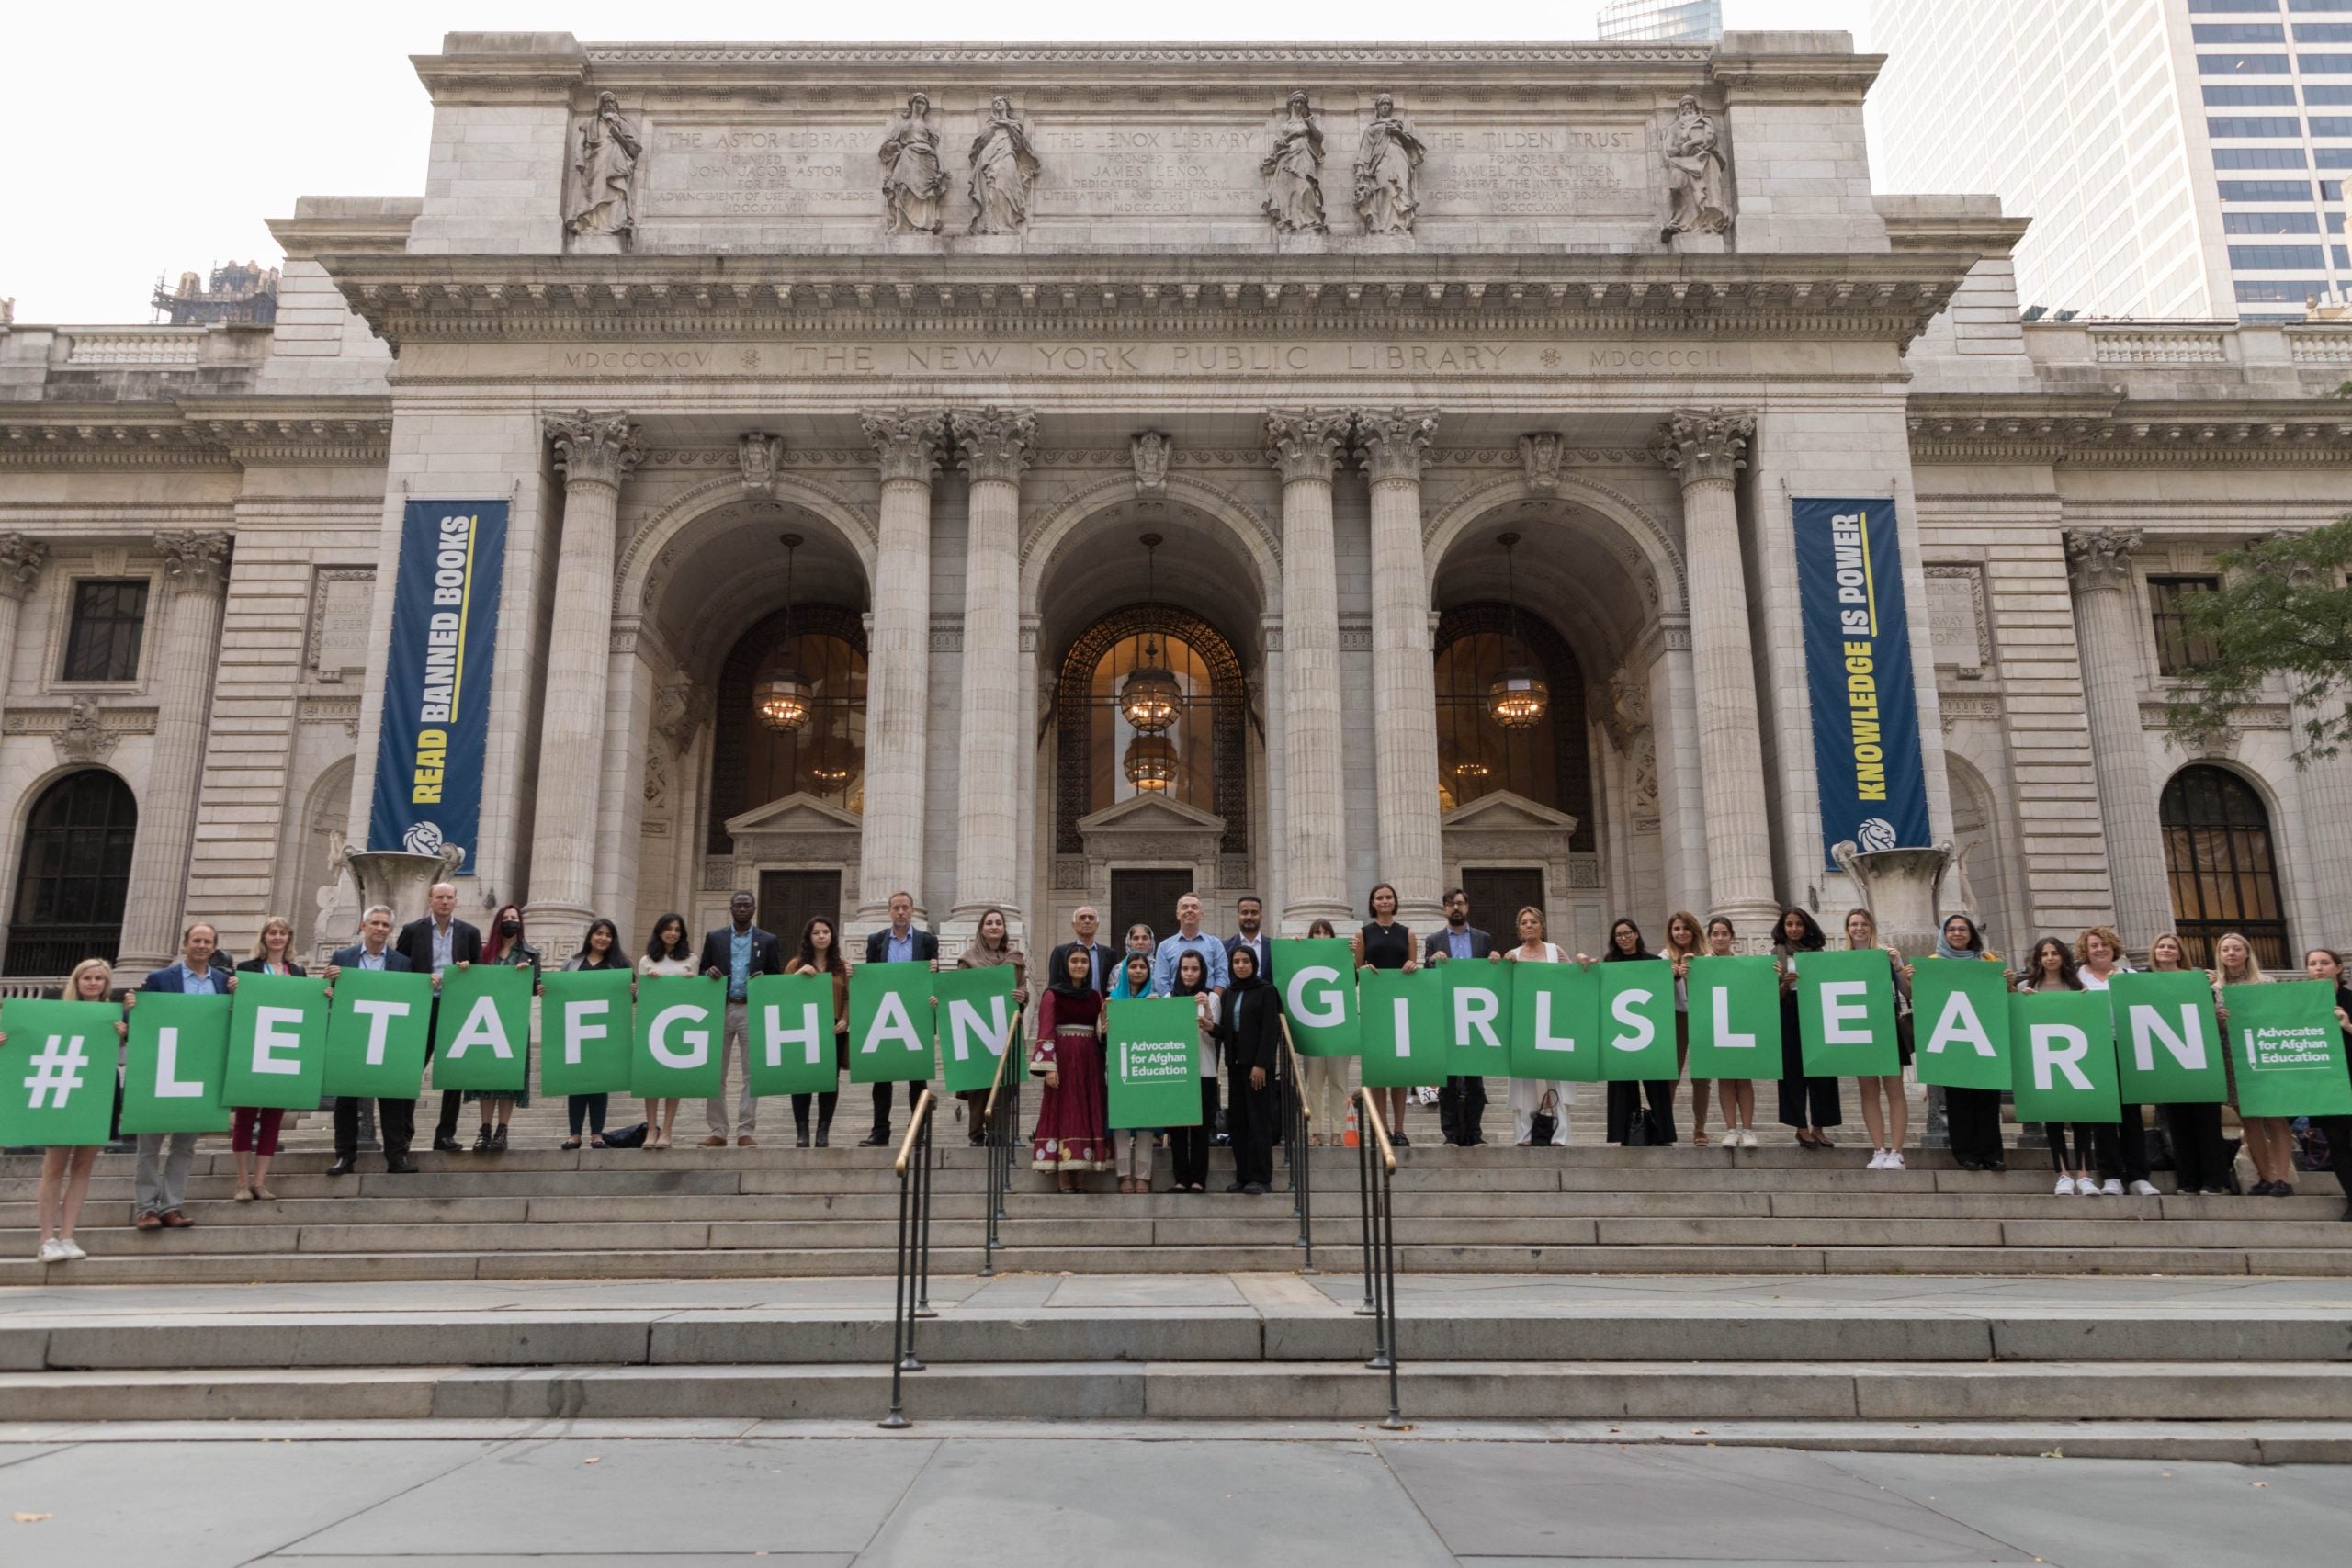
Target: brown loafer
[
  {"x": 175, "y": 1219},
  {"x": 150, "y": 1221},
  {"x": 747, "y": 1142},
  {"x": 716, "y": 1141}
]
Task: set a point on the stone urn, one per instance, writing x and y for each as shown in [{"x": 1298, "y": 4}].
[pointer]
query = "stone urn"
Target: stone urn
[
  {"x": 1902, "y": 889},
  {"x": 400, "y": 878}
]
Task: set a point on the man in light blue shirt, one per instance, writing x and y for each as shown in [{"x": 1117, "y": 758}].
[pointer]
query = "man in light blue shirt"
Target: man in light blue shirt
[
  {"x": 160, "y": 1183},
  {"x": 1188, "y": 937}
]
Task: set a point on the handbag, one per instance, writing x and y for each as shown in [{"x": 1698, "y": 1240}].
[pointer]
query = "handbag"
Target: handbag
[{"x": 1545, "y": 1125}]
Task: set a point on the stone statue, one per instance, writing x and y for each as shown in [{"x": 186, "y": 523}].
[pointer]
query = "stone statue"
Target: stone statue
[
  {"x": 1694, "y": 174},
  {"x": 1293, "y": 172},
  {"x": 1003, "y": 168},
  {"x": 601, "y": 172},
  {"x": 914, "y": 188},
  {"x": 1388, "y": 157}
]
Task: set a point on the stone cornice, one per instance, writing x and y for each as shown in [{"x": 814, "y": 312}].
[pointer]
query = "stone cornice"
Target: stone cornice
[
  {"x": 197, "y": 433},
  {"x": 2113, "y": 432},
  {"x": 1237, "y": 291}
]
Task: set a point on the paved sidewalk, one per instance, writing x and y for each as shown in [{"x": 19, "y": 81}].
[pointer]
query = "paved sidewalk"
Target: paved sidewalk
[{"x": 974, "y": 1502}]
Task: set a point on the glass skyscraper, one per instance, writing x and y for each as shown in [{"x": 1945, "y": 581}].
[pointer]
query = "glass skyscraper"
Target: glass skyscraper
[{"x": 1662, "y": 21}]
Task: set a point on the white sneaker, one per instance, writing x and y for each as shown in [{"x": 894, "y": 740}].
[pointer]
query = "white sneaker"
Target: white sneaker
[
  {"x": 1894, "y": 1160},
  {"x": 74, "y": 1253},
  {"x": 2145, "y": 1189},
  {"x": 2065, "y": 1188},
  {"x": 51, "y": 1251},
  {"x": 1748, "y": 1137},
  {"x": 2086, "y": 1188},
  {"x": 2111, "y": 1188},
  {"x": 1878, "y": 1160}
]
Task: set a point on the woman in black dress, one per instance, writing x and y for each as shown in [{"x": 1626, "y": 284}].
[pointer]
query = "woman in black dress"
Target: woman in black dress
[
  {"x": 1808, "y": 1104},
  {"x": 1626, "y": 945},
  {"x": 1386, "y": 944},
  {"x": 1249, "y": 1034},
  {"x": 2326, "y": 963}
]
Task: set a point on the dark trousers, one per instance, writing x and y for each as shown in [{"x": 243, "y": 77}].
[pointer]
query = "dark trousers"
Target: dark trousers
[
  {"x": 1460, "y": 1110},
  {"x": 2200, "y": 1159},
  {"x": 1249, "y": 1119},
  {"x": 882, "y": 1097},
  {"x": 1625, "y": 1103},
  {"x": 590, "y": 1107},
  {"x": 2122, "y": 1149},
  {"x": 2085, "y": 1137},
  {"x": 2338, "y": 1129},
  {"x": 395, "y": 1122},
  {"x": 825, "y": 1103},
  {"x": 452, "y": 1101},
  {"x": 1190, "y": 1145},
  {"x": 1973, "y": 1116},
  {"x": 1804, "y": 1101}
]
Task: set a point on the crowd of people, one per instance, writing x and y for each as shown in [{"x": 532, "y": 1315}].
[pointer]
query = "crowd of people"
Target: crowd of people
[{"x": 1246, "y": 1068}]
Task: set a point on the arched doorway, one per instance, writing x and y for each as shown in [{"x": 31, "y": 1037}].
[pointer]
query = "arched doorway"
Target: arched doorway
[
  {"x": 752, "y": 763},
  {"x": 2224, "y": 875},
  {"x": 1201, "y": 763},
  {"x": 73, "y": 875},
  {"x": 1549, "y": 763}
]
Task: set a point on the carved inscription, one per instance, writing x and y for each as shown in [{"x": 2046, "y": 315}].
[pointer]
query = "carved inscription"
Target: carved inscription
[
  {"x": 1058, "y": 359},
  {"x": 1141, "y": 171},
  {"x": 762, "y": 171},
  {"x": 1540, "y": 171}
]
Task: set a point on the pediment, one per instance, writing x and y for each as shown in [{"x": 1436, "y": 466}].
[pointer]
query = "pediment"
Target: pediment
[
  {"x": 799, "y": 812},
  {"x": 1151, "y": 814},
  {"x": 1503, "y": 809}
]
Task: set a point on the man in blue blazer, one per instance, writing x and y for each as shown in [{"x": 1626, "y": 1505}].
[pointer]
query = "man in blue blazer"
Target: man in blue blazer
[
  {"x": 901, "y": 942},
  {"x": 738, "y": 954},
  {"x": 374, "y": 949},
  {"x": 160, "y": 1184}
]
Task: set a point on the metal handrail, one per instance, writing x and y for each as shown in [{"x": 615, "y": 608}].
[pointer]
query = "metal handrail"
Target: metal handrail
[
  {"x": 1300, "y": 1159},
  {"x": 1374, "y": 1188},
  {"x": 999, "y": 1144},
  {"x": 910, "y": 1290}
]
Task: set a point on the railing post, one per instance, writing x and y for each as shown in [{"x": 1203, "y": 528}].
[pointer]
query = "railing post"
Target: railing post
[
  {"x": 1395, "y": 1423},
  {"x": 1363, "y": 1210},
  {"x": 902, "y": 1351},
  {"x": 923, "y": 1211}
]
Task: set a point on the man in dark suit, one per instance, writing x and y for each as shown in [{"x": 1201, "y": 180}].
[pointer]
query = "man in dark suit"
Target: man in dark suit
[
  {"x": 1461, "y": 1102},
  {"x": 440, "y": 941},
  {"x": 1249, "y": 923},
  {"x": 901, "y": 942},
  {"x": 396, "y": 1117},
  {"x": 160, "y": 1183},
  {"x": 735, "y": 953},
  {"x": 1100, "y": 959}
]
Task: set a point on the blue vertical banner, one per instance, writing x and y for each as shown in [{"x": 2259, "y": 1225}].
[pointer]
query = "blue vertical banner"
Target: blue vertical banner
[
  {"x": 1858, "y": 667},
  {"x": 431, "y": 751}
]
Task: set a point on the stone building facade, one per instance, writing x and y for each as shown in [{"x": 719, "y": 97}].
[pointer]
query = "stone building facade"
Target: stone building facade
[{"x": 969, "y": 326}]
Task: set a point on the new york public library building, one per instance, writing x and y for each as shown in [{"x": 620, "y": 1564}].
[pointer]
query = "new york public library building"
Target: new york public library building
[{"x": 1040, "y": 475}]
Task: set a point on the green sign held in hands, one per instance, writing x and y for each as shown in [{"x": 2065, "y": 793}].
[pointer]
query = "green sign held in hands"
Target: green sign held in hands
[
  {"x": 278, "y": 1041},
  {"x": 1959, "y": 1019},
  {"x": 1735, "y": 1019},
  {"x": 176, "y": 1068}
]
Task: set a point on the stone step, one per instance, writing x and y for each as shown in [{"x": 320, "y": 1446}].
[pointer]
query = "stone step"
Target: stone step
[{"x": 1204, "y": 1391}]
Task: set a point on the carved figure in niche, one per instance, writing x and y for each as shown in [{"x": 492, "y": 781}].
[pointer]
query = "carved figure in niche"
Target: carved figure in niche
[
  {"x": 1293, "y": 170},
  {"x": 1004, "y": 168},
  {"x": 914, "y": 188},
  {"x": 1388, "y": 158},
  {"x": 1701, "y": 203},
  {"x": 609, "y": 146}
]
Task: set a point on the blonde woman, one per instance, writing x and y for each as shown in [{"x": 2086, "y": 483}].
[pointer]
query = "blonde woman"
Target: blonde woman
[
  {"x": 2269, "y": 1140},
  {"x": 253, "y": 1134},
  {"x": 1327, "y": 1076},
  {"x": 1737, "y": 1096},
  {"x": 1885, "y": 1112},
  {"x": 1682, "y": 945},
  {"x": 2120, "y": 1150},
  {"x": 65, "y": 1168},
  {"x": 1533, "y": 1097},
  {"x": 2200, "y": 1158}
]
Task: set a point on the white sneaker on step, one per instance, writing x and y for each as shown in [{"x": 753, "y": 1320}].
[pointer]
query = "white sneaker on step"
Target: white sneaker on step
[
  {"x": 1894, "y": 1160},
  {"x": 2144, "y": 1189},
  {"x": 74, "y": 1253},
  {"x": 2111, "y": 1188},
  {"x": 1748, "y": 1137},
  {"x": 1878, "y": 1160},
  {"x": 2065, "y": 1188},
  {"x": 50, "y": 1251}
]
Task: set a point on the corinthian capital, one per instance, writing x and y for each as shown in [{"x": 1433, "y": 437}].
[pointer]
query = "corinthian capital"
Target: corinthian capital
[
  {"x": 20, "y": 562},
  {"x": 194, "y": 563},
  {"x": 908, "y": 444},
  {"x": 1390, "y": 442},
  {"x": 1304, "y": 444},
  {"x": 2100, "y": 557},
  {"x": 1704, "y": 443},
  {"x": 992, "y": 443},
  {"x": 594, "y": 448}
]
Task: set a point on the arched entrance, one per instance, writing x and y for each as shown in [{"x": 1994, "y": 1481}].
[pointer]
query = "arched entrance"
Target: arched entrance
[
  {"x": 2224, "y": 875},
  {"x": 74, "y": 874}
]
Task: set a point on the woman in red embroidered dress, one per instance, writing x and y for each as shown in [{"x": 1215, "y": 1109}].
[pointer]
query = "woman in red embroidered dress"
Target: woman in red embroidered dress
[{"x": 1071, "y": 1139}]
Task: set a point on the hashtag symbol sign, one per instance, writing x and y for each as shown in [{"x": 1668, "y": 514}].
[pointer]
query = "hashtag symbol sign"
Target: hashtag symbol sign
[{"x": 57, "y": 1072}]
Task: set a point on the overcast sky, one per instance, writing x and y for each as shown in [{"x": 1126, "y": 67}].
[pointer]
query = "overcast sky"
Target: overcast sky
[{"x": 150, "y": 140}]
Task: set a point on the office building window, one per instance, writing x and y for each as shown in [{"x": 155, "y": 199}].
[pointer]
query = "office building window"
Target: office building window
[
  {"x": 2267, "y": 190},
  {"x": 2257, "y": 157},
  {"x": 2238, "y": 33},
  {"x": 2177, "y": 649},
  {"x": 2331, "y": 125},
  {"x": 2281, "y": 293},
  {"x": 2254, "y": 125},
  {"x": 2241, "y": 65},
  {"x": 2234, "y": 97},
  {"x": 2277, "y": 259},
  {"x": 2270, "y": 222},
  {"x": 2331, "y": 157},
  {"x": 2324, "y": 93},
  {"x": 2325, "y": 65},
  {"x": 2323, "y": 32},
  {"x": 110, "y": 619}
]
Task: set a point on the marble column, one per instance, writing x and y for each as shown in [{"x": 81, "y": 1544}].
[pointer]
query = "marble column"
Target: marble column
[
  {"x": 21, "y": 559},
  {"x": 1404, "y": 680},
  {"x": 595, "y": 452},
  {"x": 1706, "y": 449},
  {"x": 1305, "y": 445},
  {"x": 992, "y": 446},
  {"x": 196, "y": 576},
  {"x": 2108, "y": 636},
  {"x": 898, "y": 664}
]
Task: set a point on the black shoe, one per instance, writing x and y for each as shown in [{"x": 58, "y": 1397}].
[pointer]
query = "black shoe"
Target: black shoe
[
  {"x": 498, "y": 1140},
  {"x": 824, "y": 1137},
  {"x": 2259, "y": 1189},
  {"x": 1402, "y": 1142},
  {"x": 2282, "y": 1190},
  {"x": 1237, "y": 1187},
  {"x": 400, "y": 1165},
  {"x": 482, "y": 1143},
  {"x": 800, "y": 1139},
  {"x": 342, "y": 1166},
  {"x": 443, "y": 1143},
  {"x": 1255, "y": 1189},
  {"x": 1996, "y": 1165},
  {"x": 1970, "y": 1164},
  {"x": 877, "y": 1139},
  {"x": 978, "y": 1139}
]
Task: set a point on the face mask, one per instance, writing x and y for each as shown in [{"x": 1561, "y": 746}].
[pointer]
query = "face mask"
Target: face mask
[{"x": 510, "y": 927}]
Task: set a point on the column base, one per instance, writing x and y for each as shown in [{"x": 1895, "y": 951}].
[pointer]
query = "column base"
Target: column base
[
  {"x": 963, "y": 924},
  {"x": 1297, "y": 917},
  {"x": 1756, "y": 920},
  {"x": 556, "y": 929}
]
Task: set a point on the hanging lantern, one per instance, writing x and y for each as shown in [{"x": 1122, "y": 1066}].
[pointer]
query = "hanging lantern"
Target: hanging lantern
[
  {"x": 1518, "y": 698},
  {"x": 832, "y": 773},
  {"x": 1150, "y": 699},
  {"x": 1471, "y": 767},
  {"x": 782, "y": 700},
  {"x": 1150, "y": 762}
]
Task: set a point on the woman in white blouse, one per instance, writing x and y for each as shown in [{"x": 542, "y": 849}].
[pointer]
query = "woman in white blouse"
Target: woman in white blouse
[
  {"x": 1533, "y": 1097},
  {"x": 666, "y": 953}
]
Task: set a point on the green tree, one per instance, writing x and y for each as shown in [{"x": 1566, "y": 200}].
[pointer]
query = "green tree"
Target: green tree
[{"x": 2284, "y": 609}]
